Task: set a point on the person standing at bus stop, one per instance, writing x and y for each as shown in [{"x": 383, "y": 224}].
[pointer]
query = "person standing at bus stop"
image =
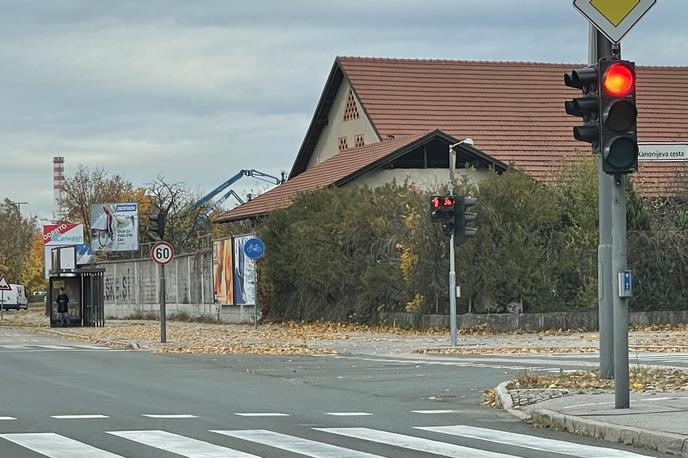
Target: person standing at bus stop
[{"x": 63, "y": 308}]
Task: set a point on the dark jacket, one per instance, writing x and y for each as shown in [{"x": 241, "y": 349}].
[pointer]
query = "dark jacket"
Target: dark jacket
[{"x": 62, "y": 302}]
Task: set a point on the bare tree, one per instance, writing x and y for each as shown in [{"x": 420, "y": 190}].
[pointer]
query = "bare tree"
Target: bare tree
[
  {"x": 88, "y": 187},
  {"x": 184, "y": 223}
]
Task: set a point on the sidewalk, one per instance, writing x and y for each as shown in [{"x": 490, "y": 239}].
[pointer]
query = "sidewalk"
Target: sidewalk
[{"x": 655, "y": 421}]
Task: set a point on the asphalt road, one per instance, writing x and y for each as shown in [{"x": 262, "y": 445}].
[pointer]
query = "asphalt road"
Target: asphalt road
[{"x": 63, "y": 399}]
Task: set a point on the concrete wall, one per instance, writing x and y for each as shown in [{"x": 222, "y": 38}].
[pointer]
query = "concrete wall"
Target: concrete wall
[
  {"x": 427, "y": 179},
  {"x": 529, "y": 321},
  {"x": 132, "y": 289},
  {"x": 328, "y": 142}
]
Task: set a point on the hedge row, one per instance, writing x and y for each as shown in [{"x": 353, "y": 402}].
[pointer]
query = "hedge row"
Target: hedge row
[{"x": 347, "y": 254}]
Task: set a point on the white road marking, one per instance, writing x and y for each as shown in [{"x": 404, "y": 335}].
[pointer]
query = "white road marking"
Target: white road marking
[
  {"x": 590, "y": 404},
  {"x": 531, "y": 442},
  {"x": 348, "y": 414},
  {"x": 77, "y": 417},
  {"x": 431, "y": 412},
  {"x": 55, "y": 347},
  {"x": 7, "y": 418},
  {"x": 414, "y": 443},
  {"x": 184, "y": 446},
  {"x": 55, "y": 446},
  {"x": 668, "y": 398},
  {"x": 261, "y": 414},
  {"x": 296, "y": 444},
  {"x": 150, "y": 415}
]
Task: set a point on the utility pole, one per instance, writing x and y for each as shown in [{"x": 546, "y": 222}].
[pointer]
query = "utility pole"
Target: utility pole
[
  {"x": 599, "y": 47},
  {"x": 452, "y": 254},
  {"x": 453, "y": 290}
]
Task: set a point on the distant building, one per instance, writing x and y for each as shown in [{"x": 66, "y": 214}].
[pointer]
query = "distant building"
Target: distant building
[{"x": 383, "y": 119}]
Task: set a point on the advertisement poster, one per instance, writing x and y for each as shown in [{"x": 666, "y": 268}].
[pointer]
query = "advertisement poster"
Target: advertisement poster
[
  {"x": 222, "y": 272},
  {"x": 244, "y": 274},
  {"x": 115, "y": 227},
  {"x": 60, "y": 235}
]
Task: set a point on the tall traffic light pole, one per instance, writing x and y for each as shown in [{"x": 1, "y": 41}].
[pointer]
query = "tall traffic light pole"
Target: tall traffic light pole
[
  {"x": 608, "y": 109},
  {"x": 601, "y": 47}
]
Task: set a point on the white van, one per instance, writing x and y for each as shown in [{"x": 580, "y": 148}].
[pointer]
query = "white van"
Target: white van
[{"x": 15, "y": 299}]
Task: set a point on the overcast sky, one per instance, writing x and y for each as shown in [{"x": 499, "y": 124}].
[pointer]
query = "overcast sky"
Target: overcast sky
[{"x": 197, "y": 90}]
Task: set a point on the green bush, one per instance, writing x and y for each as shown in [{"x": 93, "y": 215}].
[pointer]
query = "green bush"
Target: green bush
[{"x": 346, "y": 254}]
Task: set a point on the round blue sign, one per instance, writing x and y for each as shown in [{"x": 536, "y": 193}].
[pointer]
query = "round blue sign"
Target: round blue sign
[{"x": 254, "y": 248}]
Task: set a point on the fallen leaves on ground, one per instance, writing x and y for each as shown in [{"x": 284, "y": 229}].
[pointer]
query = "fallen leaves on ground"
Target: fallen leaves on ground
[
  {"x": 640, "y": 379},
  {"x": 490, "y": 397}
]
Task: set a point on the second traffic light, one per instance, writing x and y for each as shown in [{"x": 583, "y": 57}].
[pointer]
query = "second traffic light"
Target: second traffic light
[
  {"x": 442, "y": 210},
  {"x": 157, "y": 224},
  {"x": 462, "y": 218}
]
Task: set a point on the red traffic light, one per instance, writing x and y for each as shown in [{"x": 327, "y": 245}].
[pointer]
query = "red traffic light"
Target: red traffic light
[
  {"x": 618, "y": 80},
  {"x": 438, "y": 202}
]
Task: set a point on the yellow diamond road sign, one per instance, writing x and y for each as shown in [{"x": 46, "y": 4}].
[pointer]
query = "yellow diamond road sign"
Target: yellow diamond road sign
[{"x": 614, "y": 18}]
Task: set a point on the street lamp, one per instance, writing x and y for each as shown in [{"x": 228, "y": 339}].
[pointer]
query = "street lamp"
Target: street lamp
[{"x": 453, "y": 290}]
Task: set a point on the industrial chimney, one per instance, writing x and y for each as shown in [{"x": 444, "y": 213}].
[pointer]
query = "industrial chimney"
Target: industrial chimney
[{"x": 58, "y": 189}]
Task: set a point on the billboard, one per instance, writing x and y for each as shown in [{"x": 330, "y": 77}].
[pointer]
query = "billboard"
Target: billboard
[
  {"x": 115, "y": 227},
  {"x": 60, "y": 235},
  {"x": 222, "y": 272},
  {"x": 244, "y": 281}
]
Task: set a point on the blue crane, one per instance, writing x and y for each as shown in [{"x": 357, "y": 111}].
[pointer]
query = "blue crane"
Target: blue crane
[
  {"x": 208, "y": 197},
  {"x": 242, "y": 173}
]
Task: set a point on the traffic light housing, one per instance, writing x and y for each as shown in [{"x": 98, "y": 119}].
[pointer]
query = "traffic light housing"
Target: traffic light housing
[
  {"x": 442, "y": 210},
  {"x": 587, "y": 107},
  {"x": 462, "y": 218},
  {"x": 618, "y": 116},
  {"x": 157, "y": 224}
]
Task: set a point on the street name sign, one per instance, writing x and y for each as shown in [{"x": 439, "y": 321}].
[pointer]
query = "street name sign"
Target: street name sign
[
  {"x": 613, "y": 18},
  {"x": 4, "y": 284},
  {"x": 162, "y": 253},
  {"x": 663, "y": 151}
]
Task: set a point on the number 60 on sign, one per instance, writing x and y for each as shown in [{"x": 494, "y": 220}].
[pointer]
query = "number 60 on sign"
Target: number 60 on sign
[{"x": 162, "y": 253}]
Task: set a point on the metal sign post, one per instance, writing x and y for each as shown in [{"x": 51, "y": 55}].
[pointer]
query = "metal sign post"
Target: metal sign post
[
  {"x": 254, "y": 249},
  {"x": 162, "y": 254},
  {"x": 613, "y": 19}
]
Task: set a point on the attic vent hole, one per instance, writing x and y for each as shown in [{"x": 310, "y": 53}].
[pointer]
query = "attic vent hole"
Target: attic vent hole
[
  {"x": 351, "y": 110},
  {"x": 343, "y": 144}
]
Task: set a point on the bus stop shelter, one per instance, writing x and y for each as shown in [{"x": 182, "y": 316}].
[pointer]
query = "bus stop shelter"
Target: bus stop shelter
[{"x": 84, "y": 285}]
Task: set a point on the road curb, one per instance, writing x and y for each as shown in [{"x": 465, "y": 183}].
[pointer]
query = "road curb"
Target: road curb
[
  {"x": 503, "y": 400},
  {"x": 669, "y": 443},
  {"x": 673, "y": 444}
]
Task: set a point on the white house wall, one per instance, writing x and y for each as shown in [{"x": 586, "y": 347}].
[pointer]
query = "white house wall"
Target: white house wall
[
  {"x": 328, "y": 142},
  {"x": 426, "y": 179}
]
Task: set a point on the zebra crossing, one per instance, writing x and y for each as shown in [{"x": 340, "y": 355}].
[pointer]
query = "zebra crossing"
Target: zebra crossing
[{"x": 450, "y": 441}]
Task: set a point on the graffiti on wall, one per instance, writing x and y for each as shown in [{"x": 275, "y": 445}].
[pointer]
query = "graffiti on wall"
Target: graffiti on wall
[{"x": 119, "y": 285}]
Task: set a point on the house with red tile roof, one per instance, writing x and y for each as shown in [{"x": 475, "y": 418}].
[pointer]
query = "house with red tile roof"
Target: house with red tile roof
[{"x": 380, "y": 120}]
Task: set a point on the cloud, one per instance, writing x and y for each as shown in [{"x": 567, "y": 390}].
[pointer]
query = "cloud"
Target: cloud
[{"x": 196, "y": 91}]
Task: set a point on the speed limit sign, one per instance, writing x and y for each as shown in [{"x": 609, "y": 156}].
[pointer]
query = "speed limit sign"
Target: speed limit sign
[{"x": 162, "y": 253}]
